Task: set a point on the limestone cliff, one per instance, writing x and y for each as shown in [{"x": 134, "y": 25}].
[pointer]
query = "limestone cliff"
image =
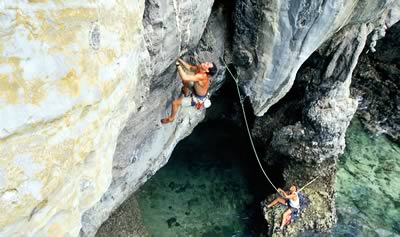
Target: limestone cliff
[
  {"x": 312, "y": 144},
  {"x": 274, "y": 38},
  {"x": 69, "y": 79},
  {"x": 84, "y": 84},
  {"x": 145, "y": 145}
]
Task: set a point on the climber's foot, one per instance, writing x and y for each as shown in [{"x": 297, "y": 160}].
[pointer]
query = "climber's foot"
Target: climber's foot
[{"x": 166, "y": 120}]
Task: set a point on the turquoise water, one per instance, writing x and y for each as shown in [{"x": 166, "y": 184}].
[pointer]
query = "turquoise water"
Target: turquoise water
[
  {"x": 208, "y": 188},
  {"x": 368, "y": 185},
  {"x": 211, "y": 187}
]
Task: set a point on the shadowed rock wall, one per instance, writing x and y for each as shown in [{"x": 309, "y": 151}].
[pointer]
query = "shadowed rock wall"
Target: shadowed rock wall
[{"x": 273, "y": 39}]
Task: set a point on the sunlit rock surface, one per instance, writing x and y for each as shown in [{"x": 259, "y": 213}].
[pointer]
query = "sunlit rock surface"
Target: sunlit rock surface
[
  {"x": 71, "y": 74},
  {"x": 68, "y": 82}
]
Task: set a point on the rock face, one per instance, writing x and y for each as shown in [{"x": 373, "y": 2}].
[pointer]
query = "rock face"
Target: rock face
[
  {"x": 145, "y": 145},
  {"x": 69, "y": 79},
  {"x": 313, "y": 144},
  {"x": 376, "y": 82},
  {"x": 274, "y": 38},
  {"x": 329, "y": 108},
  {"x": 85, "y": 83},
  {"x": 90, "y": 116}
]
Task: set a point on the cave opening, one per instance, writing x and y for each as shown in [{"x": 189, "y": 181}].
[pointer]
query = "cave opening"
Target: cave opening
[{"x": 212, "y": 184}]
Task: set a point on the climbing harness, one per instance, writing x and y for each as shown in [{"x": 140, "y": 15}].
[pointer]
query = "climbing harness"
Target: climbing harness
[
  {"x": 201, "y": 101},
  {"x": 241, "y": 99}
]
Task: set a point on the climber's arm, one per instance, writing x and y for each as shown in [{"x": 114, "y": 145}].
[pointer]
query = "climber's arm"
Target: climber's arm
[
  {"x": 187, "y": 77},
  {"x": 187, "y": 65},
  {"x": 287, "y": 196}
]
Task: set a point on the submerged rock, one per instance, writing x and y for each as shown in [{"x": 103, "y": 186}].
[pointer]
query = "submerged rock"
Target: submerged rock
[
  {"x": 126, "y": 221},
  {"x": 171, "y": 222}
]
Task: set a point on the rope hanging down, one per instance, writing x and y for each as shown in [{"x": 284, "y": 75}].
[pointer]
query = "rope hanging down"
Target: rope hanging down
[
  {"x": 248, "y": 131},
  {"x": 247, "y": 125}
]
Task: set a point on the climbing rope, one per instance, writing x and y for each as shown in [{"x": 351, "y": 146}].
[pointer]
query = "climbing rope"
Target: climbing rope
[
  {"x": 247, "y": 125},
  {"x": 241, "y": 99},
  {"x": 312, "y": 181}
]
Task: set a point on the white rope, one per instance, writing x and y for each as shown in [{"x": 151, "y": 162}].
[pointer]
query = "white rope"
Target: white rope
[
  {"x": 251, "y": 139},
  {"x": 247, "y": 126},
  {"x": 308, "y": 184}
]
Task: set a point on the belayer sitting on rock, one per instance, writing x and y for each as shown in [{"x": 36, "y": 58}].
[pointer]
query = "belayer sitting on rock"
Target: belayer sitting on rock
[
  {"x": 198, "y": 82},
  {"x": 291, "y": 200}
]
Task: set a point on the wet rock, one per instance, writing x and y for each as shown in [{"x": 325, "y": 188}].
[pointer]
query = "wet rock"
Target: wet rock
[
  {"x": 192, "y": 202},
  {"x": 171, "y": 221}
]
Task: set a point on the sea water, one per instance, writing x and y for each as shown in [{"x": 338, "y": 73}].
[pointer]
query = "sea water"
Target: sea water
[
  {"x": 209, "y": 189},
  {"x": 368, "y": 185}
]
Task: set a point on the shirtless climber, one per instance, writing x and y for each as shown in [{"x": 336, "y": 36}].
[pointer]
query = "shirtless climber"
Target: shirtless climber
[
  {"x": 291, "y": 200},
  {"x": 198, "y": 81}
]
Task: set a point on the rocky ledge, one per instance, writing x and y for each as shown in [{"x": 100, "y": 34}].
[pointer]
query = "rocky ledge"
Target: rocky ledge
[{"x": 314, "y": 217}]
